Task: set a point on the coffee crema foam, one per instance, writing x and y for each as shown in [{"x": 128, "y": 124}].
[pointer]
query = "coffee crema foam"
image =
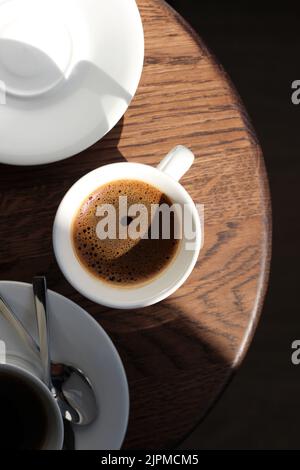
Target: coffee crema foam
[{"x": 123, "y": 262}]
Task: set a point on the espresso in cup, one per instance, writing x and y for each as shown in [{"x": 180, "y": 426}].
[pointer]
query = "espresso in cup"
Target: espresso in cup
[
  {"x": 116, "y": 257},
  {"x": 23, "y": 414},
  {"x": 30, "y": 418}
]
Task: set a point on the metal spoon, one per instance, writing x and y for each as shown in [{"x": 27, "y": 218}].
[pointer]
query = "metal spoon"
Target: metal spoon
[
  {"x": 71, "y": 389},
  {"x": 73, "y": 382}
]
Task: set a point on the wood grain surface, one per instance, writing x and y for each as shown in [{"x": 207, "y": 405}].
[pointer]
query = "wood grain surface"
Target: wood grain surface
[{"x": 179, "y": 354}]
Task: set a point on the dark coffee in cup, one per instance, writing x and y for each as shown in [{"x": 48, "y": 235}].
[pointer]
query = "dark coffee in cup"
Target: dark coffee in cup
[
  {"x": 23, "y": 414},
  {"x": 120, "y": 260}
]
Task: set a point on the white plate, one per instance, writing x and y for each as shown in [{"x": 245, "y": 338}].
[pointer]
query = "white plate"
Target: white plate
[
  {"x": 77, "y": 339},
  {"x": 68, "y": 71}
]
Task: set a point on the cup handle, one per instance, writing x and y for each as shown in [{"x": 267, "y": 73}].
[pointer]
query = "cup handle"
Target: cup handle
[{"x": 177, "y": 162}]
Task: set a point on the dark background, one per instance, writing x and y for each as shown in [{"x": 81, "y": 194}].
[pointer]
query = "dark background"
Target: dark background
[{"x": 259, "y": 47}]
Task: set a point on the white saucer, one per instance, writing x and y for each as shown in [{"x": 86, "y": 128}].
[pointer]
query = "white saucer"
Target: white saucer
[
  {"x": 68, "y": 72},
  {"x": 77, "y": 339}
]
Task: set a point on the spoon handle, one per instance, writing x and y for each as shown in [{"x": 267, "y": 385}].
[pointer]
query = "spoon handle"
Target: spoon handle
[
  {"x": 69, "y": 437},
  {"x": 40, "y": 300}
]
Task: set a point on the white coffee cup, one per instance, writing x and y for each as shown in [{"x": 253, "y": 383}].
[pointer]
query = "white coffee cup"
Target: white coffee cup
[
  {"x": 165, "y": 178},
  {"x": 22, "y": 361},
  {"x": 54, "y": 432}
]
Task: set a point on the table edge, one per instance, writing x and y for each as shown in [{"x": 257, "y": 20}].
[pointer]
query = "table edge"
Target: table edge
[{"x": 266, "y": 216}]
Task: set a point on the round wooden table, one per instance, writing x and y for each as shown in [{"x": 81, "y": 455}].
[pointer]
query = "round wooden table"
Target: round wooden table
[{"x": 179, "y": 354}]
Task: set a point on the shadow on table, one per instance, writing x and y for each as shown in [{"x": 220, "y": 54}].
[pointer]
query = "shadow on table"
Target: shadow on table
[{"x": 175, "y": 369}]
